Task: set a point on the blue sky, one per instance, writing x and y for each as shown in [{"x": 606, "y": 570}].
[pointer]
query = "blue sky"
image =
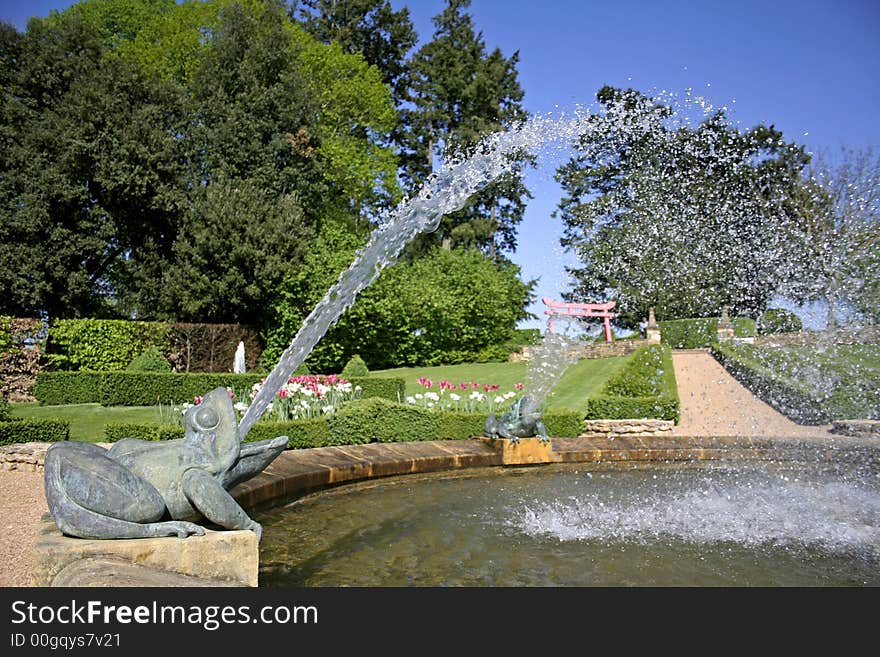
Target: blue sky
[{"x": 810, "y": 67}]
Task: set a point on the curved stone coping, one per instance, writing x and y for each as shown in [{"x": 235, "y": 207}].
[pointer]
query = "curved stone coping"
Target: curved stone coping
[{"x": 295, "y": 473}]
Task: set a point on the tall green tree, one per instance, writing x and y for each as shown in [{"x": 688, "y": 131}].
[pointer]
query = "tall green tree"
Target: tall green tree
[
  {"x": 682, "y": 215},
  {"x": 383, "y": 37},
  {"x": 90, "y": 173},
  {"x": 229, "y": 267},
  {"x": 839, "y": 246},
  {"x": 461, "y": 92},
  {"x": 119, "y": 118},
  {"x": 449, "y": 306}
]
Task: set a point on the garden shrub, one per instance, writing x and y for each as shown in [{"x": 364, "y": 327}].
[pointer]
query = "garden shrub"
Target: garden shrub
[
  {"x": 102, "y": 344},
  {"x": 33, "y": 431},
  {"x": 565, "y": 424},
  {"x": 362, "y": 421},
  {"x": 116, "y": 431},
  {"x": 149, "y": 360},
  {"x": 778, "y": 320},
  {"x": 644, "y": 388},
  {"x": 701, "y": 332},
  {"x": 4, "y": 409},
  {"x": 456, "y": 425},
  {"x": 355, "y": 367},
  {"x": 301, "y": 434},
  {"x": 54, "y": 388}
]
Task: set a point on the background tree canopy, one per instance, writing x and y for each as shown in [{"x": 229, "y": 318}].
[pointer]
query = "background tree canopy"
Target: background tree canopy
[
  {"x": 684, "y": 217},
  {"x": 222, "y": 160}
]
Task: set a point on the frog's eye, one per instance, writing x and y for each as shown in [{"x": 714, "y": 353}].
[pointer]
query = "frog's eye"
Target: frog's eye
[{"x": 207, "y": 418}]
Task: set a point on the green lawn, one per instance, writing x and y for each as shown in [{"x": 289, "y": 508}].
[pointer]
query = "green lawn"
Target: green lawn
[
  {"x": 87, "y": 421},
  {"x": 576, "y": 384},
  {"x": 581, "y": 380}
]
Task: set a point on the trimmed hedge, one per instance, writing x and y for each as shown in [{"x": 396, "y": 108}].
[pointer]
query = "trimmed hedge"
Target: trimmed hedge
[
  {"x": 779, "y": 320},
  {"x": 116, "y": 431},
  {"x": 69, "y": 387},
  {"x": 786, "y": 397},
  {"x": 148, "y": 388},
  {"x": 380, "y": 421},
  {"x": 360, "y": 422},
  {"x": 701, "y": 332},
  {"x": 644, "y": 388},
  {"x": 33, "y": 431}
]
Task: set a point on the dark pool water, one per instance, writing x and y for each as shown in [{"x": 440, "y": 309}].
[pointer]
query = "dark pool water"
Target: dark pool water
[{"x": 765, "y": 524}]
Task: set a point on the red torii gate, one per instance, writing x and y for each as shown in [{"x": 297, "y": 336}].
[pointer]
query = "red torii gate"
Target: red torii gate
[{"x": 602, "y": 310}]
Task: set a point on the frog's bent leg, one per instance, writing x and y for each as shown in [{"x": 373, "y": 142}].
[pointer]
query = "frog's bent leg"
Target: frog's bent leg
[
  {"x": 490, "y": 428},
  {"x": 92, "y": 496},
  {"x": 209, "y": 497},
  {"x": 253, "y": 459},
  {"x": 542, "y": 431}
]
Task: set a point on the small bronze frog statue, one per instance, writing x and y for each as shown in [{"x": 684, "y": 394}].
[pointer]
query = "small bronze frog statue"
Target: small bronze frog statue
[{"x": 523, "y": 420}]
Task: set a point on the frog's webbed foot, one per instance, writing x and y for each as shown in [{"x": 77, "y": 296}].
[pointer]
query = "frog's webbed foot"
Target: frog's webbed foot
[
  {"x": 210, "y": 498},
  {"x": 180, "y": 528},
  {"x": 256, "y": 528}
]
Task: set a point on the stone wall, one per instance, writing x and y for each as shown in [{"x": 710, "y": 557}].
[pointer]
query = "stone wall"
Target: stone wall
[
  {"x": 23, "y": 456},
  {"x": 635, "y": 427},
  {"x": 21, "y": 358},
  {"x": 593, "y": 350}
]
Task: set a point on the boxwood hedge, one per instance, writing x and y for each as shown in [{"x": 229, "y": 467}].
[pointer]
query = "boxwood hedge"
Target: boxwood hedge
[
  {"x": 33, "y": 431},
  {"x": 701, "y": 332},
  {"x": 359, "y": 422},
  {"x": 644, "y": 388},
  {"x": 786, "y": 396}
]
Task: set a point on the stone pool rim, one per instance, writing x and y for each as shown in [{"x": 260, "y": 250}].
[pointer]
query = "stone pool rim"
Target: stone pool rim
[{"x": 300, "y": 472}]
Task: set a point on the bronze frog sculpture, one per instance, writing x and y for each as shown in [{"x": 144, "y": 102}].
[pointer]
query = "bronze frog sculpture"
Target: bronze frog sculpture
[
  {"x": 141, "y": 488},
  {"x": 523, "y": 420}
]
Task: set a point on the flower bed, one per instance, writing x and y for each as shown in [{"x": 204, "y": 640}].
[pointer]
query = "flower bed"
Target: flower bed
[{"x": 465, "y": 397}]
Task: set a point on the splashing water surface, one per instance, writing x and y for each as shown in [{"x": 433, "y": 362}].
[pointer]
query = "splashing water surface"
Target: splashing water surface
[{"x": 801, "y": 524}]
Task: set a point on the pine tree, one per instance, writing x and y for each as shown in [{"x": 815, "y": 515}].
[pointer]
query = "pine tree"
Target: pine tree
[
  {"x": 370, "y": 27},
  {"x": 460, "y": 93}
]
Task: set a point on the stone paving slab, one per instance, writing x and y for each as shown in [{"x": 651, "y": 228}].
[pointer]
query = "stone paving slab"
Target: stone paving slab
[
  {"x": 227, "y": 556},
  {"x": 100, "y": 572}
]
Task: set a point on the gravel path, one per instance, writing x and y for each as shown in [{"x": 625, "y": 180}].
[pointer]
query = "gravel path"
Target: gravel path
[
  {"x": 22, "y": 504},
  {"x": 713, "y": 403}
]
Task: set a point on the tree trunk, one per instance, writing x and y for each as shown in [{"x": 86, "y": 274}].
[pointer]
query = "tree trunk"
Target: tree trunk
[
  {"x": 492, "y": 218},
  {"x": 832, "y": 319}
]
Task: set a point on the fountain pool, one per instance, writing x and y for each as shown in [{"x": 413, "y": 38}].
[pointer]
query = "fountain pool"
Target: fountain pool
[{"x": 807, "y": 522}]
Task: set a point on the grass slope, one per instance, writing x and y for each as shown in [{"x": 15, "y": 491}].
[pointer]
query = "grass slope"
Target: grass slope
[
  {"x": 87, "y": 421},
  {"x": 571, "y": 393}
]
